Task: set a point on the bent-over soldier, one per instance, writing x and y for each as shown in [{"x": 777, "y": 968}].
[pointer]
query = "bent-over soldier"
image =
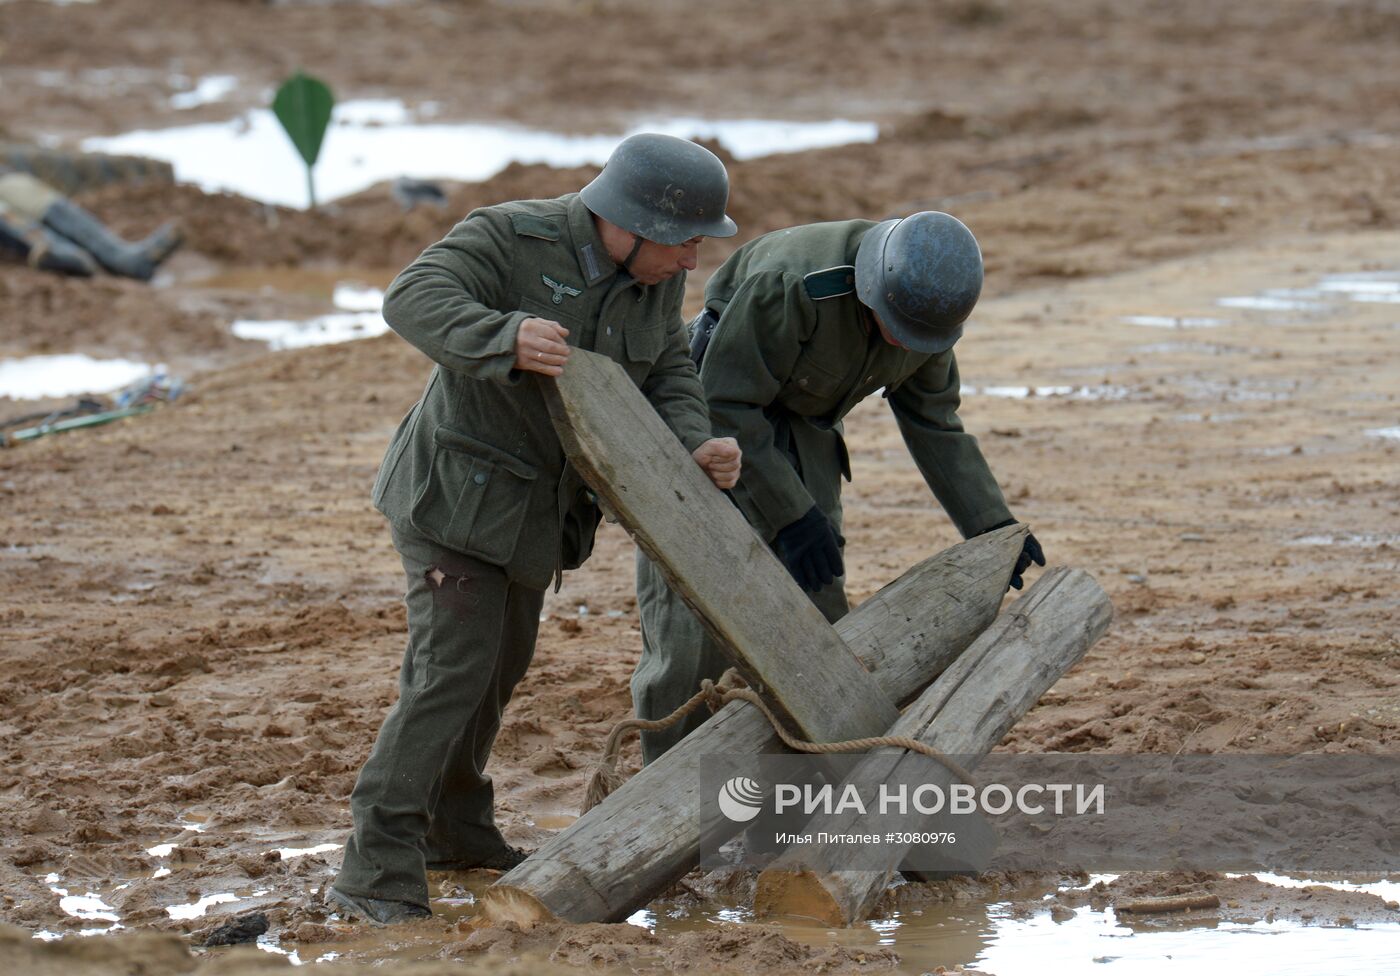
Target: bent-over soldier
[{"x": 799, "y": 326}]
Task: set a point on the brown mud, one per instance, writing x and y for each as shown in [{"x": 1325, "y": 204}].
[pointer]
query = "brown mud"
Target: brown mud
[{"x": 200, "y": 624}]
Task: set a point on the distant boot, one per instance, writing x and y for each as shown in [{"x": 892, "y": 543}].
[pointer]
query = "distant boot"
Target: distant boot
[
  {"x": 120, "y": 257},
  {"x": 56, "y": 253},
  {"x": 47, "y": 252}
]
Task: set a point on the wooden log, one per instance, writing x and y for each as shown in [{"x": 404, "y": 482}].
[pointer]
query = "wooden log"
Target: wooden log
[
  {"x": 965, "y": 713},
  {"x": 646, "y": 835},
  {"x": 710, "y": 555},
  {"x": 1167, "y": 903}
]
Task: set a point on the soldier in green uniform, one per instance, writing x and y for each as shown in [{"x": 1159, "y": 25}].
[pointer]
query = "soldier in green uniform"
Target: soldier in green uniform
[
  {"x": 799, "y": 326},
  {"x": 483, "y": 507}
]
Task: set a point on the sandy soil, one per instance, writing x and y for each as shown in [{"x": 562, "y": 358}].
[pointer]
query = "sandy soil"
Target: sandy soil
[{"x": 200, "y": 616}]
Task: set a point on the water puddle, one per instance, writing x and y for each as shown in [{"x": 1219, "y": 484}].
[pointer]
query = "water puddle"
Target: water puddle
[
  {"x": 1274, "y": 300},
  {"x": 1173, "y": 321},
  {"x": 198, "y": 908},
  {"x": 1359, "y": 540},
  {"x": 40, "y": 377},
  {"x": 359, "y": 318},
  {"x": 1382, "y": 887},
  {"x": 1357, "y": 286},
  {"x": 1022, "y": 932},
  {"x": 1208, "y": 418},
  {"x": 1322, "y": 296},
  {"x": 1244, "y": 391},
  {"x": 1210, "y": 348},
  {"x": 266, "y": 944},
  {"x": 1103, "y": 392},
  {"x": 1374, "y": 286},
  {"x": 287, "y": 853},
  {"x": 1004, "y": 938},
  {"x": 207, "y": 90},
  {"x": 191, "y": 820},
  {"x": 88, "y": 906},
  {"x": 371, "y": 140}
]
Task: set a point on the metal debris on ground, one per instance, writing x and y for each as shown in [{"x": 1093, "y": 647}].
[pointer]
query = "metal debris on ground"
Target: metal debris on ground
[{"x": 138, "y": 398}]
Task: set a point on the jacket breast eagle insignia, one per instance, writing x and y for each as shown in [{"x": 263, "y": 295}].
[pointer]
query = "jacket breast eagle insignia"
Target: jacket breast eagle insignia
[{"x": 560, "y": 289}]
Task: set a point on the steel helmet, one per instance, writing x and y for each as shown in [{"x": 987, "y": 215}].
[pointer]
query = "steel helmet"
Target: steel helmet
[
  {"x": 662, "y": 189},
  {"x": 921, "y": 275}
]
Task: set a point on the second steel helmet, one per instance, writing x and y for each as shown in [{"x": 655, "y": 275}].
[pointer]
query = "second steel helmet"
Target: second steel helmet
[
  {"x": 922, "y": 276},
  {"x": 663, "y": 189}
]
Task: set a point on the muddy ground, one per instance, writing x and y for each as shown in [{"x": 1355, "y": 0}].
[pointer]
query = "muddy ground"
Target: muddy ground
[{"x": 200, "y": 624}]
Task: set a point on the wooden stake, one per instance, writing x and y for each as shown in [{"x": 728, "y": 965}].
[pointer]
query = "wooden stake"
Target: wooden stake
[
  {"x": 966, "y": 712},
  {"x": 710, "y": 555},
  {"x": 641, "y": 839}
]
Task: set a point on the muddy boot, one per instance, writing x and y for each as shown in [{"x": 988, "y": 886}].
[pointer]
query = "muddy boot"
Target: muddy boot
[
  {"x": 120, "y": 257},
  {"x": 377, "y": 911},
  {"x": 47, "y": 252},
  {"x": 505, "y": 859}
]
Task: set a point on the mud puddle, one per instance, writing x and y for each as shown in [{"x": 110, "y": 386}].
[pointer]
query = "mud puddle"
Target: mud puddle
[
  {"x": 1174, "y": 321},
  {"x": 1010, "y": 937},
  {"x": 359, "y": 318},
  {"x": 1319, "y": 297},
  {"x": 204, "y": 91},
  {"x": 1026, "y": 930},
  {"x": 371, "y": 140},
  {"x": 44, "y": 377},
  {"x": 1323, "y": 294}
]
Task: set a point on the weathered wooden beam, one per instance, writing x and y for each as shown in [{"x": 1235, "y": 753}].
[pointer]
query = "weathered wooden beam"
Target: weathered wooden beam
[
  {"x": 710, "y": 555},
  {"x": 965, "y": 713},
  {"x": 641, "y": 839}
]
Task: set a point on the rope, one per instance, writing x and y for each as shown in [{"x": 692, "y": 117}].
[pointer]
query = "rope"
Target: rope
[{"x": 716, "y": 694}]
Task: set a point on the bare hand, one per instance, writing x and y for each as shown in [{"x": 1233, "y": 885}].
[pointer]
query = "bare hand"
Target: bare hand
[
  {"x": 720, "y": 458},
  {"x": 540, "y": 347}
]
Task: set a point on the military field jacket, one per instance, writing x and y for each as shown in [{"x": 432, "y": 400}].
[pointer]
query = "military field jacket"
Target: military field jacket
[
  {"x": 476, "y": 465},
  {"x": 795, "y": 347}
]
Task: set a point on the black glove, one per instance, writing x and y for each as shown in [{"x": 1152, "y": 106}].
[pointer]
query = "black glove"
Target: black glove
[
  {"x": 811, "y": 550},
  {"x": 1030, "y": 553}
]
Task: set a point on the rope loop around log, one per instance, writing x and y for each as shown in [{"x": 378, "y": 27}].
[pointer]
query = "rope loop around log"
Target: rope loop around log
[{"x": 716, "y": 694}]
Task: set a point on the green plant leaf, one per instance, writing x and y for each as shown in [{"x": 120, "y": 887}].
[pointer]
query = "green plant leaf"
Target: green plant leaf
[{"x": 303, "y": 106}]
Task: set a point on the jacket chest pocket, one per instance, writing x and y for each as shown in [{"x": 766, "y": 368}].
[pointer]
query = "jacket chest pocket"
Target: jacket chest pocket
[
  {"x": 644, "y": 342},
  {"x": 813, "y": 386},
  {"x": 475, "y": 497}
]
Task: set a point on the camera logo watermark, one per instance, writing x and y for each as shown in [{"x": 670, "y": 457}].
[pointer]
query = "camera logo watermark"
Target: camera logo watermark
[{"x": 740, "y": 799}]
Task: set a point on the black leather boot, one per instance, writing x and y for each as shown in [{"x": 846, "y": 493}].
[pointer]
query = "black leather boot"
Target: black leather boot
[
  {"x": 118, "y": 256},
  {"x": 45, "y": 251}
]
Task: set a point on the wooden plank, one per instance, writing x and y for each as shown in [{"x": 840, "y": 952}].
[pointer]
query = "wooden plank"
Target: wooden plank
[
  {"x": 639, "y": 841},
  {"x": 965, "y": 713},
  {"x": 710, "y": 555}
]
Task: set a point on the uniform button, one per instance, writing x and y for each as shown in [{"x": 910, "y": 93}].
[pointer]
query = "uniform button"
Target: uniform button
[
  {"x": 479, "y": 478},
  {"x": 802, "y": 382}
]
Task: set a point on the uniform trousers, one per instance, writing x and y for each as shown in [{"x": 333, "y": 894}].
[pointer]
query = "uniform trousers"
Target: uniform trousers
[{"x": 423, "y": 795}]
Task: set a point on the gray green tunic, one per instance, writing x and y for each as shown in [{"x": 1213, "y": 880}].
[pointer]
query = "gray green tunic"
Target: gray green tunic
[
  {"x": 485, "y": 509},
  {"x": 476, "y": 465}
]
